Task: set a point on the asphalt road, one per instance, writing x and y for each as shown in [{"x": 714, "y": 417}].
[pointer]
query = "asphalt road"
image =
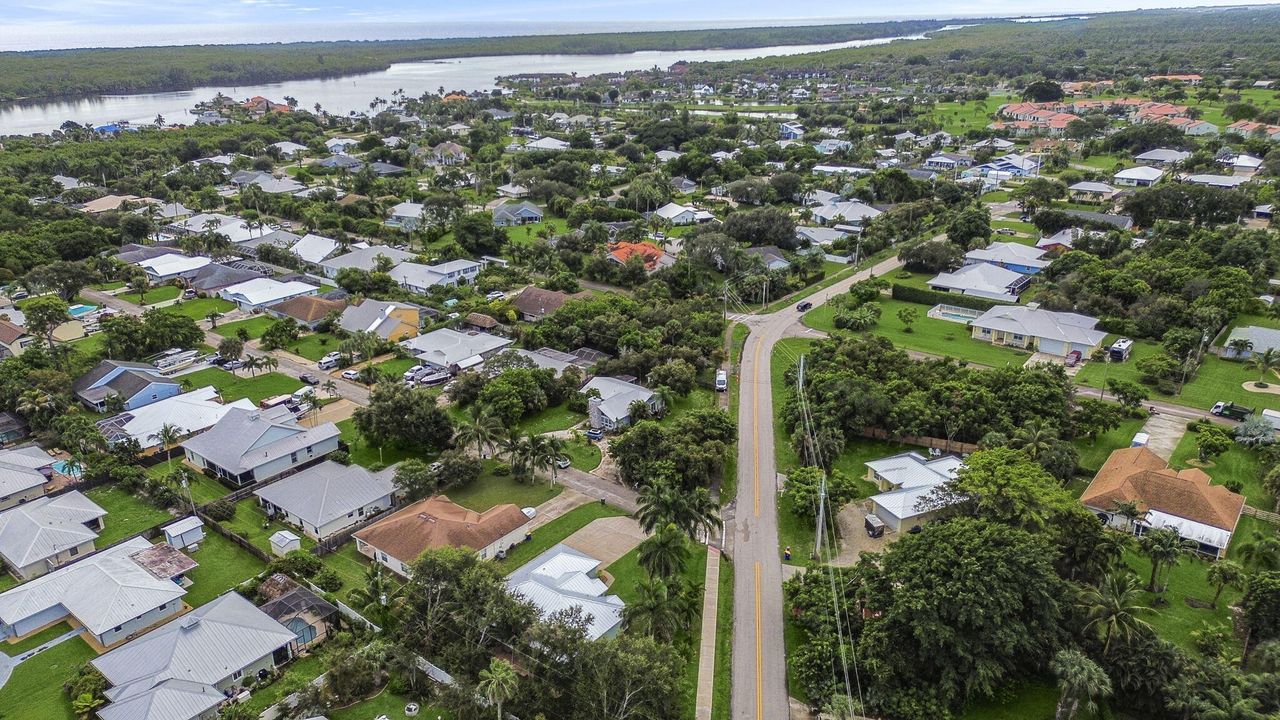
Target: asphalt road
[{"x": 759, "y": 655}]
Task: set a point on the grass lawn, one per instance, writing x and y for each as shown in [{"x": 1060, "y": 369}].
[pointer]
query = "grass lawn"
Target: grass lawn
[
  {"x": 583, "y": 455},
  {"x": 35, "y": 688},
  {"x": 785, "y": 353},
  {"x": 699, "y": 398},
  {"x": 1093, "y": 454},
  {"x": 729, "y": 476},
  {"x": 106, "y": 287},
  {"x": 127, "y": 514},
  {"x": 859, "y": 451},
  {"x": 248, "y": 524},
  {"x": 223, "y": 565},
  {"x": 551, "y": 419},
  {"x": 303, "y": 669},
  {"x": 1018, "y": 226},
  {"x": 7, "y": 581},
  {"x": 384, "y": 703},
  {"x": 1105, "y": 163},
  {"x": 155, "y": 295},
  {"x": 396, "y": 366},
  {"x": 34, "y": 641},
  {"x": 556, "y": 531},
  {"x": 1029, "y": 701},
  {"x": 203, "y": 489},
  {"x": 1217, "y": 379},
  {"x": 489, "y": 490},
  {"x": 1239, "y": 463},
  {"x": 199, "y": 308},
  {"x": 793, "y": 637},
  {"x": 928, "y": 335},
  {"x": 724, "y": 644},
  {"x": 314, "y": 345},
  {"x": 372, "y": 457},
  {"x": 233, "y": 387},
  {"x": 255, "y": 326},
  {"x": 90, "y": 344},
  {"x": 350, "y": 565},
  {"x": 957, "y": 118},
  {"x": 795, "y": 532}
]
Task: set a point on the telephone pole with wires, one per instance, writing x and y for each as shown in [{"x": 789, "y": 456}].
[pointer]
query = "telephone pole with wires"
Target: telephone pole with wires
[{"x": 812, "y": 443}]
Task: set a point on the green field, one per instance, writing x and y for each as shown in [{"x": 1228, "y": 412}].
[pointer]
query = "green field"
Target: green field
[
  {"x": 489, "y": 490},
  {"x": 551, "y": 419},
  {"x": 557, "y": 530},
  {"x": 223, "y": 565},
  {"x": 127, "y": 514},
  {"x": 1093, "y": 454},
  {"x": 388, "y": 704},
  {"x": 1239, "y": 463},
  {"x": 35, "y": 688},
  {"x": 254, "y": 326},
  {"x": 200, "y": 308},
  {"x": 314, "y": 346},
  {"x": 959, "y": 118},
  {"x": 232, "y": 386},
  {"x": 251, "y": 523}
]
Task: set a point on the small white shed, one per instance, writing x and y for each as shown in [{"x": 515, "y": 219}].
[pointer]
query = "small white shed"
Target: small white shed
[
  {"x": 184, "y": 533},
  {"x": 283, "y": 541}
]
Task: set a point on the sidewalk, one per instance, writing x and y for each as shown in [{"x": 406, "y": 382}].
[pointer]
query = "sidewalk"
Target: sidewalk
[{"x": 707, "y": 644}]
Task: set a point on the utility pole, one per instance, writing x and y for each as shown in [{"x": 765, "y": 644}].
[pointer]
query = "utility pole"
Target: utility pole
[{"x": 813, "y": 440}]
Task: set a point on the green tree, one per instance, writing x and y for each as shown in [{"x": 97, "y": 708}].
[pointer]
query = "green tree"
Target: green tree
[
  {"x": 1261, "y": 552},
  {"x": 378, "y": 598},
  {"x": 1114, "y": 608},
  {"x": 498, "y": 684},
  {"x": 907, "y": 316},
  {"x": 44, "y": 315},
  {"x": 167, "y": 436},
  {"x": 230, "y": 348},
  {"x": 478, "y": 429},
  {"x": 1223, "y": 574},
  {"x": 664, "y": 554},
  {"x": 1081, "y": 682},
  {"x": 1129, "y": 393},
  {"x": 1264, "y": 362},
  {"x": 1164, "y": 548},
  {"x": 661, "y": 608},
  {"x": 1211, "y": 441},
  {"x": 415, "y": 480}
]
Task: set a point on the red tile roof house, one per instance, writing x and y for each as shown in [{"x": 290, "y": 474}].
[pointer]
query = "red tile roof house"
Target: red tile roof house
[
  {"x": 654, "y": 257},
  {"x": 1184, "y": 500}
]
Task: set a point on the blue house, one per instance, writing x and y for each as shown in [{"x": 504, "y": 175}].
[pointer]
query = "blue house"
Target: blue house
[
  {"x": 1010, "y": 256},
  {"x": 136, "y": 384}
]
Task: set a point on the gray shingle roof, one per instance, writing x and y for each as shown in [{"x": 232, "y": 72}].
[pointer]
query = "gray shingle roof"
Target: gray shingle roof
[
  {"x": 246, "y": 439},
  {"x": 325, "y": 492}
]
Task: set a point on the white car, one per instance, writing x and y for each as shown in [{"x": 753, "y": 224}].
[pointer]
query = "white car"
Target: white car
[
  {"x": 496, "y": 295},
  {"x": 562, "y": 462},
  {"x": 350, "y": 374},
  {"x": 412, "y": 372}
]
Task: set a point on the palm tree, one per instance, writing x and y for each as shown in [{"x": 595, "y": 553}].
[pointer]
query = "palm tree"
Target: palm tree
[
  {"x": 498, "y": 683},
  {"x": 168, "y": 435},
  {"x": 1164, "y": 547},
  {"x": 544, "y": 452},
  {"x": 1262, "y": 552},
  {"x": 1265, "y": 362},
  {"x": 1034, "y": 438},
  {"x": 1228, "y": 704},
  {"x": 252, "y": 363},
  {"x": 662, "y": 503},
  {"x": 330, "y": 387},
  {"x": 268, "y": 363},
  {"x": 35, "y": 402},
  {"x": 1081, "y": 681},
  {"x": 652, "y": 613},
  {"x": 378, "y": 598},
  {"x": 1128, "y": 510},
  {"x": 1240, "y": 346},
  {"x": 213, "y": 318},
  {"x": 1223, "y": 574},
  {"x": 479, "y": 429},
  {"x": 664, "y": 554},
  {"x": 1113, "y": 608}
]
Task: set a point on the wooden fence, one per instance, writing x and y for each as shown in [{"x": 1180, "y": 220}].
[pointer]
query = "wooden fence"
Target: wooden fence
[
  {"x": 922, "y": 440},
  {"x": 244, "y": 544},
  {"x": 1263, "y": 515}
]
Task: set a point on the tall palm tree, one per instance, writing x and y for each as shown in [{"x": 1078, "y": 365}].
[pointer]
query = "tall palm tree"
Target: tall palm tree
[
  {"x": 268, "y": 363},
  {"x": 252, "y": 363},
  {"x": 1113, "y": 608},
  {"x": 498, "y": 683},
  {"x": 1265, "y": 362},
  {"x": 1081, "y": 681},
  {"x": 330, "y": 387},
  {"x": 544, "y": 452},
  {"x": 479, "y": 429},
  {"x": 662, "y": 503},
  {"x": 35, "y": 402},
  {"x": 168, "y": 435},
  {"x": 213, "y": 318},
  {"x": 1035, "y": 438},
  {"x": 1128, "y": 510},
  {"x": 378, "y": 598},
  {"x": 652, "y": 613},
  {"x": 1262, "y": 552},
  {"x": 1164, "y": 547},
  {"x": 664, "y": 554},
  {"x": 1224, "y": 574}
]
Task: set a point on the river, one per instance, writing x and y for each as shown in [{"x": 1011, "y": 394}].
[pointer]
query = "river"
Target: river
[{"x": 354, "y": 92}]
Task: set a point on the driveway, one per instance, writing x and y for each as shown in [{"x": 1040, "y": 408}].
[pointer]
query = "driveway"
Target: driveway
[
  {"x": 607, "y": 539},
  {"x": 1165, "y": 431}
]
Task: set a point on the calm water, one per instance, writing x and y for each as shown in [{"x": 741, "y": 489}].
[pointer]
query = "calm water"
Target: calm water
[{"x": 353, "y": 93}]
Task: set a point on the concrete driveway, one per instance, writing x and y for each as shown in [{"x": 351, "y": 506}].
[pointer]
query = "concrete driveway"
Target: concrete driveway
[{"x": 607, "y": 539}]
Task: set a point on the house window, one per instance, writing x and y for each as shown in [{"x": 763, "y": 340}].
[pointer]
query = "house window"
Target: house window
[
  {"x": 293, "y": 457},
  {"x": 308, "y": 449},
  {"x": 237, "y": 674},
  {"x": 1018, "y": 337},
  {"x": 116, "y": 628},
  {"x": 74, "y": 551}
]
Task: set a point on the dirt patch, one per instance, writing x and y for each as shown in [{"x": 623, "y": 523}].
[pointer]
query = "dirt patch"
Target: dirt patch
[
  {"x": 853, "y": 535},
  {"x": 1270, "y": 389}
]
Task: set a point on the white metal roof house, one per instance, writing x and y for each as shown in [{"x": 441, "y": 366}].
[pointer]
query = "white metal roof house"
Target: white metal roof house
[
  {"x": 1141, "y": 176},
  {"x": 612, "y": 410},
  {"x": 906, "y": 479},
  {"x": 563, "y": 578},
  {"x": 982, "y": 280},
  {"x": 327, "y": 498},
  {"x": 112, "y": 594},
  {"x": 186, "y": 668},
  {"x": 1017, "y": 257},
  {"x": 259, "y": 293},
  {"x": 851, "y": 212},
  {"x": 444, "y": 348},
  {"x": 1226, "y": 182},
  {"x": 47, "y": 532},
  {"x": 248, "y": 446},
  {"x": 407, "y": 216},
  {"x": 23, "y": 473},
  {"x": 1046, "y": 331},
  {"x": 313, "y": 248},
  {"x": 678, "y": 214},
  {"x": 419, "y": 278},
  {"x": 193, "y": 412},
  {"x": 364, "y": 259},
  {"x": 1162, "y": 156},
  {"x": 171, "y": 266}
]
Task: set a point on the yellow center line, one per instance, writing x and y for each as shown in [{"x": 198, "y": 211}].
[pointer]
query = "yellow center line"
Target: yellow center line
[{"x": 759, "y": 652}]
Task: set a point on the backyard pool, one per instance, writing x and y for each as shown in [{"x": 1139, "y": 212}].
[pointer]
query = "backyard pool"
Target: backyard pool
[
  {"x": 62, "y": 467},
  {"x": 953, "y": 313},
  {"x": 81, "y": 310}
]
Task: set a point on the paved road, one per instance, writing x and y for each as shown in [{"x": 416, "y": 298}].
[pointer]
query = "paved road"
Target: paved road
[{"x": 759, "y": 658}]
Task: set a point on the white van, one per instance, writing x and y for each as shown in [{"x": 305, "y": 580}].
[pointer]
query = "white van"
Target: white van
[{"x": 722, "y": 380}]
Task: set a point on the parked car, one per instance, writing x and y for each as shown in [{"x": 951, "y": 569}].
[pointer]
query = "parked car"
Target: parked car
[
  {"x": 19, "y": 295},
  {"x": 804, "y": 306},
  {"x": 232, "y": 365},
  {"x": 350, "y": 374},
  {"x": 412, "y": 372},
  {"x": 1073, "y": 358},
  {"x": 309, "y": 379},
  {"x": 595, "y": 434},
  {"x": 496, "y": 295},
  {"x": 1006, "y": 231},
  {"x": 722, "y": 380},
  {"x": 188, "y": 294},
  {"x": 562, "y": 462}
]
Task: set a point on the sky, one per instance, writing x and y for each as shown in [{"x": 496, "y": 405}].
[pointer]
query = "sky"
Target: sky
[{"x": 35, "y": 24}]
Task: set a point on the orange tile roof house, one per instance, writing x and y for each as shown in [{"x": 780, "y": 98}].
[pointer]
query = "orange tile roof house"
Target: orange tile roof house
[
  {"x": 653, "y": 256},
  {"x": 1183, "y": 500},
  {"x": 308, "y": 310},
  {"x": 438, "y": 522}
]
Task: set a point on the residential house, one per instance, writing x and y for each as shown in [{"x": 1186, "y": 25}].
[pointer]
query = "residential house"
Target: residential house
[
  {"x": 136, "y": 384},
  {"x": 420, "y": 278},
  {"x": 905, "y": 480},
  {"x": 831, "y": 146},
  {"x": 14, "y": 339},
  {"x": 397, "y": 540},
  {"x": 39, "y": 536},
  {"x": 790, "y": 130},
  {"x": 341, "y": 145},
  {"x": 449, "y": 153},
  {"x": 995, "y": 143},
  {"x": 534, "y": 303},
  {"x": 407, "y": 216},
  {"x": 23, "y": 474},
  {"x": 1006, "y": 166},
  {"x": 1044, "y": 331},
  {"x": 678, "y": 214},
  {"x": 392, "y": 321},
  {"x": 546, "y": 144},
  {"x": 982, "y": 280},
  {"x": 609, "y": 402},
  {"x": 266, "y": 182},
  {"x": 653, "y": 257},
  {"x": 307, "y": 310},
  {"x": 365, "y": 258},
  {"x": 852, "y": 212},
  {"x": 511, "y": 190},
  {"x": 563, "y": 578},
  {"x": 445, "y": 349},
  {"x": 1260, "y": 339},
  {"x": 683, "y": 185},
  {"x": 288, "y": 150},
  {"x": 171, "y": 266},
  {"x": 820, "y": 236},
  {"x": 1190, "y": 126},
  {"x": 1163, "y": 157},
  {"x": 948, "y": 161},
  {"x": 1065, "y": 239},
  {"x": 264, "y": 292},
  {"x": 1120, "y": 222},
  {"x": 313, "y": 249},
  {"x": 325, "y": 499},
  {"x": 215, "y": 277},
  {"x": 1140, "y": 176},
  {"x": 1089, "y": 191},
  {"x": 1010, "y": 256},
  {"x": 192, "y": 412},
  {"x": 187, "y": 668},
  {"x": 1185, "y": 501},
  {"x": 516, "y": 213},
  {"x": 249, "y": 446},
  {"x": 1249, "y": 128},
  {"x": 1224, "y": 182},
  {"x": 771, "y": 256},
  {"x": 113, "y": 595}
]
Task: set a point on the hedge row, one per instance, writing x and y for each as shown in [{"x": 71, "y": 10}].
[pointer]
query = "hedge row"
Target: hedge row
[{"x": 924, "y": 296}]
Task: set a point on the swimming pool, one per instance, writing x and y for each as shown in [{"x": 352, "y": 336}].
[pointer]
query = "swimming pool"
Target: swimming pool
[
  {"x": 62, "y": 467},
  {"x": 79, "y": 310}
]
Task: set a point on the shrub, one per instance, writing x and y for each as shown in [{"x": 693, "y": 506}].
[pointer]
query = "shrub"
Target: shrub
[
  {"x": 342, "y": 457},
  {"x": 298, "y": 563},
  {"x": 327, "y": 580},
  {"x": 924, "y": 296},
  {"x": 221, "y": 510}
]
